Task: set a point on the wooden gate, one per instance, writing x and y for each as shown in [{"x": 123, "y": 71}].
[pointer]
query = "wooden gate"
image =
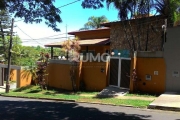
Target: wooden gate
[
  {"x": 119, "y": 68},
  {"x": 125, "y": 70},
  {"x": 114, "y": 68}
]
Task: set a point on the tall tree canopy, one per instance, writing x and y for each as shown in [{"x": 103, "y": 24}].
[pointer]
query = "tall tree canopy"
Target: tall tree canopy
[
  {"x": 4, "y": 32},
  {"x": 129, "y": 8},
  {"x": 33, "y": 11},
  {"x": 94, "y": 22}
]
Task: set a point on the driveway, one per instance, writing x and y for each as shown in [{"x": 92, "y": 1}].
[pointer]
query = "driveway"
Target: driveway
[{"x": 32, "y": 109}]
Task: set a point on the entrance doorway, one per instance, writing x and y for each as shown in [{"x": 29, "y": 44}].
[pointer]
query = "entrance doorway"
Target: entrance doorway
[{"x": 119, "y": 68}]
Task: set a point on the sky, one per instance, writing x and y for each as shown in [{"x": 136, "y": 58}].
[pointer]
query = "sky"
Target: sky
[{"x": 73, "y": 16}]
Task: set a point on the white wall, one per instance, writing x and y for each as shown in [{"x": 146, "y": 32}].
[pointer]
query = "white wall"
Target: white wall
[{"x": 172, "y": 59}]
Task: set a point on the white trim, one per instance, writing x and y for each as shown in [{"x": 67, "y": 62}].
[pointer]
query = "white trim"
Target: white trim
[
  {"x": 119, "y": 70},
  {"x": 114, "y": 57},
  {"x": 11, "y": 66},
  {"x": 122, "y": 58},
  {"x": 119, "y": 73}
]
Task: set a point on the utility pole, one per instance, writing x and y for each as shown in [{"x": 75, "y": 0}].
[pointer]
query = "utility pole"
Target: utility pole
[
  {"x": 66, "y": 31},
  {"x": 9, "y": 57},
  {"x": 67, "y": 56}
]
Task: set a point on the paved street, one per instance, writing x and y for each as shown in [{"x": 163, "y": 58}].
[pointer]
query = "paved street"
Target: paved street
[{"x": 29, "y": 109}]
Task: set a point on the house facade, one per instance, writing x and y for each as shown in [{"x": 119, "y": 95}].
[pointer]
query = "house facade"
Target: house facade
[
  {"x": 93, "y": 74},
  {"x": 119, "y": 40},
  {"x": 146, "y": 37}
]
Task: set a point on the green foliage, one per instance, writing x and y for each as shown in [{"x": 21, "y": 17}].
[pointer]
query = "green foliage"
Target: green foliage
[
  {"x": 128, "y": 8},
  {"x": 4, "y": 32},
  {"x": 41, "y": 72},
  {"x": 95, "y": 4},
  {"x": 175, "y": 8},
  {"x": 34, "y": 11},
  {"x": 94, "y": 22}
]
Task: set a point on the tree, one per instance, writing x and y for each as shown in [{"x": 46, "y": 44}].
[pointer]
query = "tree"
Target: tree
[
  {"x": 36, "y": 10},
  {"x": 94, "y": 22},
  {"x": 128, "y": 8},
  {"x": 33, "y": 11},
  {"x": 4, "y": 32},
  {"x": 72, "y": 47},
  {"x": 41, "y": 72},
  {"x": 169, "y": 8}
]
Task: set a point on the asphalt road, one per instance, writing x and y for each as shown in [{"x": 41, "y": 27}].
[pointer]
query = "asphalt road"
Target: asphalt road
[{"x": 29, "y": 109}]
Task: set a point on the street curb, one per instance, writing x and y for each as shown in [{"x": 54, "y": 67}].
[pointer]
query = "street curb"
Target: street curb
[
  {"x": 40, "y": 98},
  {"x": 163, "y": 108},
  {"x": 107, "y": 104},
  {"x": 71, "y": 101}
]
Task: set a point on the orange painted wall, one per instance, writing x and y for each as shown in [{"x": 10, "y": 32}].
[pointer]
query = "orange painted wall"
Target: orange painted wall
[
  {"x": 25, "y": 79},
  {"x": 13, "y": 75},
  {"x": 148, "y": 66},
  {"x": 59, "y": 76},
  {"x": 89, "y": 72},
  {"x": 93, "y": 77}
]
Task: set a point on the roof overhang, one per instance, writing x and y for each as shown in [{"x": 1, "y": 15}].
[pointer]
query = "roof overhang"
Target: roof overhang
[{"x": 88, "y": 42}]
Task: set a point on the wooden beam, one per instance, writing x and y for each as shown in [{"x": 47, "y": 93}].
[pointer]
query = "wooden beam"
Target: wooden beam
[{"x": 52, "y": 51}]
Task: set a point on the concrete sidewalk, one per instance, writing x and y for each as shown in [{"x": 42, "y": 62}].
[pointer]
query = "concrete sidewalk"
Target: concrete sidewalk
[
  {"x": 167, "y": 101},
  {"x": 12, "y": 86}
]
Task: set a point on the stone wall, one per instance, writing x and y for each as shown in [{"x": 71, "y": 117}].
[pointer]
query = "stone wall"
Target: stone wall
[{"x": 121, "y": 33}]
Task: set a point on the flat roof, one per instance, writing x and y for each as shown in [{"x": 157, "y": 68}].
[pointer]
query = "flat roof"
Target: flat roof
[
  {"x": 80, "y": 31},
  {"x": 108, "y": 24}
]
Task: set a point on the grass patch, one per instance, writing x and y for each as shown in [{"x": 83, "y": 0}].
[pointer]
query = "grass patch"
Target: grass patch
[
  {"x": 35, "y": 92},
  {"x": 135, "y": 103},
  {"x": 87, "y": 93},
  {"x": 142, "y": 95}
]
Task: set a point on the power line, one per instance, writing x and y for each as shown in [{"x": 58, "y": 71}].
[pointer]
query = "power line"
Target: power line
[
  {"x": 29, "y": 36},
  {"x": 28, "y": 40},
  {"x": 69, "y": 3},
  {"x": 51, "y": 36}
]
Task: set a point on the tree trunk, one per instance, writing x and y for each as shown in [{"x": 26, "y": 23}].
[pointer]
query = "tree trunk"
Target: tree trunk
[
  {"x": 132, "y": 37},
  {"x": 3, "y": 38},
  {"x": 125, "y": 32}
]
